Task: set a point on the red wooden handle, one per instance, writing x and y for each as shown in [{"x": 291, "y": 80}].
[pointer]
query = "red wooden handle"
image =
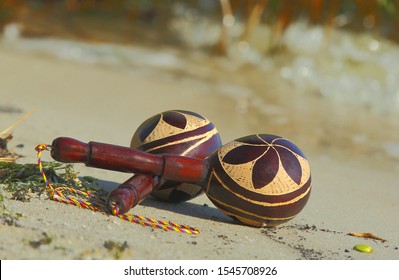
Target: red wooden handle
[
  {"x": 118, "y": 158},
  {"x": 69, "y": 150},
  {"x": 105, "y": 156},
  {"x": 131, "y": 192}
]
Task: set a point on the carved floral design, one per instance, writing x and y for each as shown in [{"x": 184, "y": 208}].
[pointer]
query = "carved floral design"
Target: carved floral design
[{"x": 268, "y": 160}]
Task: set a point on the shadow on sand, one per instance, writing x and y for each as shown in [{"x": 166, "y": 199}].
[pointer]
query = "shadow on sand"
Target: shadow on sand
[{"x": 205, "y": 211}]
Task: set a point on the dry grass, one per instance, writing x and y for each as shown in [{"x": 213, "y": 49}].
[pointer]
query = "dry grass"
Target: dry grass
[{"x": 5, "y": 137}]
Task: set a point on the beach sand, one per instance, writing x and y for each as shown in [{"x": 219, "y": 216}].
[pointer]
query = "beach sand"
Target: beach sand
[{"x": 354, "y": 180}]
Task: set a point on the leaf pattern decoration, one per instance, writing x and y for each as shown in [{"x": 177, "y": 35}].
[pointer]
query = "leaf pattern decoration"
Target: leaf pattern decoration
[
  {"x": 243, "y": 154},
  {"x": 290, "y": 163},
  {"x": 191, "y": 114},
  {"x": 266, "y": 154},
  {"x": 265, "y": 169},
  {"x": 289, "y": 145},
  {"x": 175, "y": 119},
  {"x": 269, "y": 139},
  {"x": 148, "y": 127}
]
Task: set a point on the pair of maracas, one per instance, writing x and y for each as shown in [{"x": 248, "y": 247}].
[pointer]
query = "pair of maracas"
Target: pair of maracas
[{"x": 260, "y": 180}]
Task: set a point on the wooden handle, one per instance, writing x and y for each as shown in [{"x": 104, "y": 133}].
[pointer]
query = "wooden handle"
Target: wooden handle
[
  {"x": 69, "y": 150},
  {"x": 118, "y": 158},
  {"x": 131, "y": 192},
  {"x": 105, "y": 156}
]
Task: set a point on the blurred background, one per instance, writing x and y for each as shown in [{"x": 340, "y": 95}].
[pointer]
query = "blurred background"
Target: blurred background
[{"x": 323, "y": 73}]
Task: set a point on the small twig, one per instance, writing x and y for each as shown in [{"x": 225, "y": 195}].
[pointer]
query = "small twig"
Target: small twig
[
  {"x": 8, "y": 159},
  {"x": 8, "y": 129},
  {"x": 366, "y": 235}
]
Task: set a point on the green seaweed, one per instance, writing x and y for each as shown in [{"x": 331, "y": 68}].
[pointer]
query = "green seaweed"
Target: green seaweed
[
  {"x": 45, "y": 240},
  {"x": 23, "y": 181},
  {"x": 117, "y": 248}
]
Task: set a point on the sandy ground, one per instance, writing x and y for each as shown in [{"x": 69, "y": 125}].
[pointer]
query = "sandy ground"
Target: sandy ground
[{"x": 354, "y": 182}]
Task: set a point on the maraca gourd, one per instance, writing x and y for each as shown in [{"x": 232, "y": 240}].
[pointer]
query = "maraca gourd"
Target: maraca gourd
[
  {"x": 261, "y": 180},
  {"x": 181, "y": 133},
  {"x": 174, "y": 132}
]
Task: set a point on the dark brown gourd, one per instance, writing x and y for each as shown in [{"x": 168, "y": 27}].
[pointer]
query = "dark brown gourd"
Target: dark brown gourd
[
  {"x": 181, "y": 133},
  {"x": 260, "y": 180}
]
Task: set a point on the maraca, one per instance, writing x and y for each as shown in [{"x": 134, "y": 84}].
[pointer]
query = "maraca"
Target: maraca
[
  {"x": 261, "y": 180},
  {"x": 173, "y": 132}
]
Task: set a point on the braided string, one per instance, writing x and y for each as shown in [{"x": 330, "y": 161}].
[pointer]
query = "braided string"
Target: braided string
[{"x": 57, "y": 194}]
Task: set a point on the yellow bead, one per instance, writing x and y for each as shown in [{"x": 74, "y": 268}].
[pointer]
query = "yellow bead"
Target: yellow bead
[{"x": 363, "y": 248}]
